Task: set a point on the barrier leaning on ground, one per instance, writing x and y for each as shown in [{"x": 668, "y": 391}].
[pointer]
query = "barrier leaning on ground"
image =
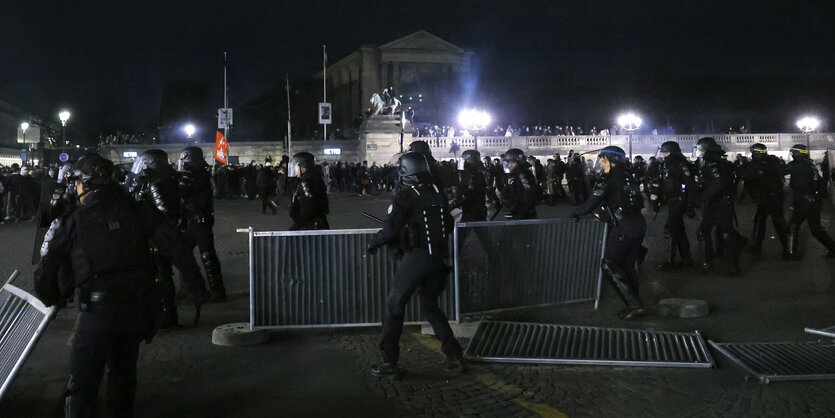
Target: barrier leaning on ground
[
  {"x": 309, "y": 279},
  {"x": 23, "y": 319}
]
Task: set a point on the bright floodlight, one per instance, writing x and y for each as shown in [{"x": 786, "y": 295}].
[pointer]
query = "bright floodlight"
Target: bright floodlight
[
  {"x": 24, "y": 126},
  {"x": 808, "y": 124},
  {"x": 64, "y": 116},
  {"x": 190, "y": 130},
  {"x": 629, "y": 121},
  {"x": 476, "y": 119}
]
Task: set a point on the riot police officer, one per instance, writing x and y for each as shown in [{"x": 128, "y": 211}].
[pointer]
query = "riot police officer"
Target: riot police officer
[
  {"x": 765, "y": 177},
  {"x": 471, "y": 192},
  {"x": 434, "y": 168},
  {"x": 100, "y": 251},
  {"x": 717, "y": 196},
  {"x": 679, "y": 191},
  {"x": 807, "y": 187},
  {"x": 619, "y": 200},
  {"x": 154, "y": 181},
  {"x": 199, "y": 217},
  {"x": 520, "y": 191},
  {"x": 309, "y": 203},
  {"x": 419, "y": 220}
]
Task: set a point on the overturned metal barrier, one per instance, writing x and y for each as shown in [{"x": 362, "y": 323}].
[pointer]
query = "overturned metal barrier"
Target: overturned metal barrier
[
  {"x": 513, "y": 264},
  {"x": 23, "y": 319},
  {"x": 825, "y": 332},
  {"x": 783, "y": 360},
  {"x": 517, "y": 342},
  {"x": 308, "y": 279}
]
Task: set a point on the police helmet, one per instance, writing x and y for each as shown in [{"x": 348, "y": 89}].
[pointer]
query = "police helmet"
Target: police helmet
[
  {"x": 514, "y": 155},
  {"x": 707, "y": 145},
  {"x": 191, "y": 158},
  {"x": 472, "y": 158},
  {"x": 304, "y": 160},
  {"x": 670, "y": 146},
  {"x": 93, "y": 171},
  {"x": 154, "y": 159},
  {"x": 799, "y": 151},
  {"x": 411, "y": 165},
  {"x": 614, "y": 154},
  {"x": 758, "y": 150},
  {"x": 421, "y": 147}
]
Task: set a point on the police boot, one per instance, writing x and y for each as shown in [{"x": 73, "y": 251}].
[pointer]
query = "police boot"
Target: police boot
[
  {"x": 213, "y": 276},
  {"x": 757, "y": 235},
  {"x": 385, "y": 369},
  {"x": 167, "y": 316},
  {"x": 793, "y": 241},
  {"x": 455, "y": 366},
  {"x": 618, "y": 277},
  {"x": 669, "y": 252},
  {"x": 706, "y": 248},
  {"x": 732, "y": 253}
]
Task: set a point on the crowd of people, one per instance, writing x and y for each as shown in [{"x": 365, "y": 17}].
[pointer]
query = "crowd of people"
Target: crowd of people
[{"x": 120, "y": 138}]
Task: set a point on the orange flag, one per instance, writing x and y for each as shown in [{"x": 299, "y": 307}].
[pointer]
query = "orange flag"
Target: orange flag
[{"x": 221, "y": 147}]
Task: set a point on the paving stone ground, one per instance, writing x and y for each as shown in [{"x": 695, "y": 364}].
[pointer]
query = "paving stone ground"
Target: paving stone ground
[{"x": 326, "y": 372}]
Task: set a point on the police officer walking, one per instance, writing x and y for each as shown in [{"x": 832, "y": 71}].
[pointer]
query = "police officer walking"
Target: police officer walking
[
  {"x": 419, "y": 219},
  {"x": 765, "y": 177},
  {"x": 471, "y": 192},
  {"x": 309, "y": 204},
  {"x": 155, "y": 183},
  {"x": 807, "y": 187},
  {"x": 679, "y": 191},
  {"x": 520, "y": 191},
  {"x": 198, "y": 209},
  {"x": 619, "y": 197},
  {"x": 717, "y": 194},
  {"x": 104, "y": 244}
]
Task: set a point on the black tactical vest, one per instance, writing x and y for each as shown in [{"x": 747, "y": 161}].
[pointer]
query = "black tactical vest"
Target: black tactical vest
[{"x": 425, "y": 226}]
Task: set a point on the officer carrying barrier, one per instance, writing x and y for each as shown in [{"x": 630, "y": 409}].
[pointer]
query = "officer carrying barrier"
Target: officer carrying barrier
[
  {"x": 326, "y": 278},
  {"x": 23, "y": 319}
]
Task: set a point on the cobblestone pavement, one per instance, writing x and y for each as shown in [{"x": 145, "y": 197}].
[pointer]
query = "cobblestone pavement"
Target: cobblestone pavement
[{"x": 326, "y": 372}]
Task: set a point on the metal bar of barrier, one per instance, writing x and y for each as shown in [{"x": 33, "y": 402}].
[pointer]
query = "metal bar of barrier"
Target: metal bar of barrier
[
  {"x": 503, "y": 265},
  {"x": 825, "y": 332},
  {"x": 24, "y": 319},
  {"x": 782, "y": 361}
]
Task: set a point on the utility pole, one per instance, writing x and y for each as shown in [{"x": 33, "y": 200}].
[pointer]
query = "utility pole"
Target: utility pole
[
  {"x": 225, "y": 97},
  {"x": 324, "y": 87},
  {"x": 289, "y": 126}
]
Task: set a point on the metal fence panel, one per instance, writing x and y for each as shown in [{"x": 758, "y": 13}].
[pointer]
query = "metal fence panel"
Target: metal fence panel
[
  {"x": 307, "y": 279},
  {"x": 517, "y": 342},
  {"x": 828, "y": 332},
  {"x": 783, "y": 360},
  {"x": 512, "y": 264},
  {"x": 23, "y": 319}
]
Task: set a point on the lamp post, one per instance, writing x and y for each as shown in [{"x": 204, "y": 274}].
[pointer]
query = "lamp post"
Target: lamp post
[
  {"x": 808, "y": 125},
  {"x": 23, "y": 128},
  {"x": 474, "y": 120},
  {"x": 629, "y": 122},
  {"x": 189, "y": 130},
  {"x": 64, "y": 116}
]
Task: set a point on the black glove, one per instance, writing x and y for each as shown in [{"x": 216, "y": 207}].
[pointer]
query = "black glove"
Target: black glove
[
  {"x": 372, "y": 248},
  {"x": 576, "y": 216},
  {"x": 691, "y": 212}
]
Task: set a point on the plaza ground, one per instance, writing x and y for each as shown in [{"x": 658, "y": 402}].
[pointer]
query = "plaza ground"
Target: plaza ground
[{"x": 326, "y": 372}]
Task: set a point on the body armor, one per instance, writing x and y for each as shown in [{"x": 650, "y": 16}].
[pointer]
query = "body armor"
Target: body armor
[{"x": 426, "y": 227}]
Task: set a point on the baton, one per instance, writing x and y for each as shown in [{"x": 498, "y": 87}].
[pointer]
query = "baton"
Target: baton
[{"x": 372, "y": 217}]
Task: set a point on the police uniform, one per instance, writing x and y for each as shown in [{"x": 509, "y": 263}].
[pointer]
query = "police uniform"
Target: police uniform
[
  {"x": 678, "y": 191},
  {"x": 717, "y": 197},
  {"x": 618, "y": 200},
  {"x": 309, "y": 203},
  {"x": 155, "y": 183},
  {"x": 807, "y": 187},
  {"x": 101, "y": 251},
  {"x": 765, "y": 176},
  {"x": 520, "y": 192},
  {"x": 471, "y": 192},
  {"x": 199, "y": 217},
  {"x": 419, "y": 221}
]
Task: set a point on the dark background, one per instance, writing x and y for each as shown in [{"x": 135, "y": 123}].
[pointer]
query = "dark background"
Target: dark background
[{"x": 693, "y": 64}]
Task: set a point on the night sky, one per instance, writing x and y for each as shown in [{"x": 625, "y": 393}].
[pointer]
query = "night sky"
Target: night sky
[{"x": 107, "y": 61}]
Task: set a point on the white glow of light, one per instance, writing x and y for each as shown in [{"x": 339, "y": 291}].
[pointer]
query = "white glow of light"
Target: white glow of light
[
  {"x": 190, "y": 130},
  {"x": 629, "y": 121},
  {"x": 477, "y": 119},
  {"x": 808, "y": 124},
  {"x": 24, "y": 126},
  {"x": 64, "y": 116}
]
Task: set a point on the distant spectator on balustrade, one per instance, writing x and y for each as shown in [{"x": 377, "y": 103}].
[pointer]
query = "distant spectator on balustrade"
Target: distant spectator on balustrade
[{"x": 509, "y": 131}]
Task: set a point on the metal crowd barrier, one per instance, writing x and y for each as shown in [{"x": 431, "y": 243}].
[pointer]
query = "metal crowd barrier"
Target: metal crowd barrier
[
  {"x": 513, "y": 264},
  {"x": 309, "y": 279},
  {"x": 23, "y": 319}
]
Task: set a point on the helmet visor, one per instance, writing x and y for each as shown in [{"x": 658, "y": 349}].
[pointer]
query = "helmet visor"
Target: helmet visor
[
  {"x": 139, "y": 165},
  {"x": 460, "y": 162},
  {"x": 294, "y": 170}
]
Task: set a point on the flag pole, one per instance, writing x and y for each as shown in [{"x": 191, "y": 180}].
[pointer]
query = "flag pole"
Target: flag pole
[
  {"x": 225, "y": 98},
  {"x": 324, "y": 88}
]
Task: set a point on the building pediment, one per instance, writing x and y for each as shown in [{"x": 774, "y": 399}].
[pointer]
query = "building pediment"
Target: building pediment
[{"x": 421, "y": 41}]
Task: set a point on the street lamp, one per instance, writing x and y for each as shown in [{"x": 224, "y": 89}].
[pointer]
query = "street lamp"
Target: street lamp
[
  {"x": 808, "y": 125},
  {"x": 23, "y": 127},
  {"x": 629, "y": 122},
  {"x": 64, "y": 116},
  {"x": 474, "y": 120},
  {"x": 190, "y": 130}
]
